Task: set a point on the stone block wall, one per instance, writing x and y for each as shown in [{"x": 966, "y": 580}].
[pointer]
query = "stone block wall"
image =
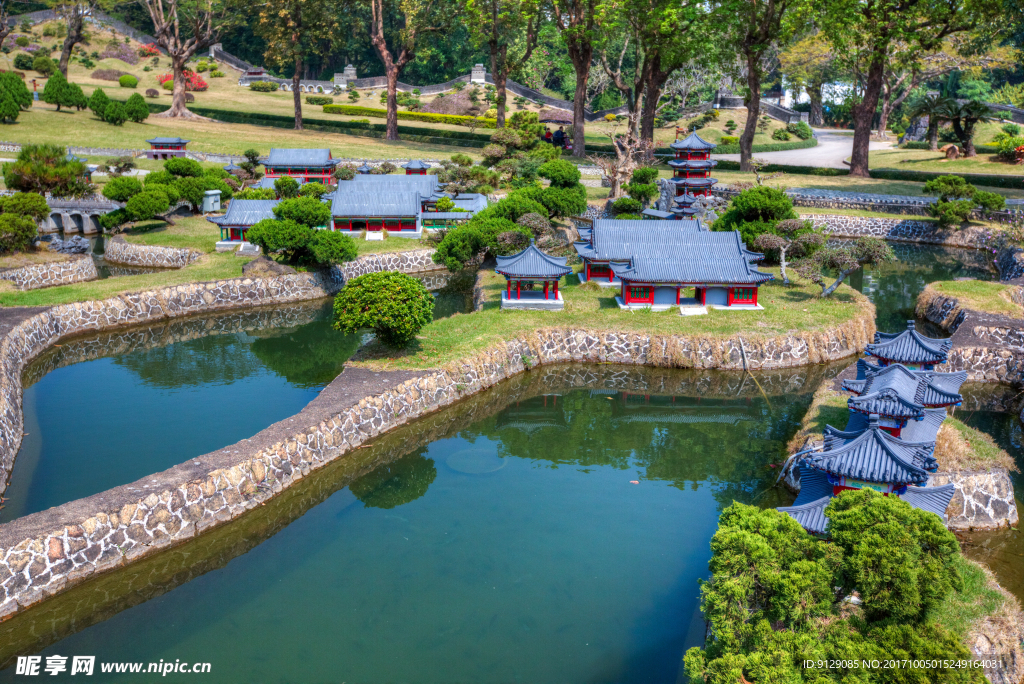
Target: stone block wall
[
  {"x": 75, "y": 270},
  {"x": 983, "y": 499},
  {"x": 120, "y": 251},
  {"x": 42, "y": 557},
  {"x": 897, "y": 229}
]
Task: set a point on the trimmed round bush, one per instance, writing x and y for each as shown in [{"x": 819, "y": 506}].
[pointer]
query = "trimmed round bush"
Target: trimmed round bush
[
  {"x": 99, "y": 102},
  {"x": 147, "y": 205},
  {"x": 22, "y": 41},
  {"x": 314, "y": 190},
  {"x": 514, "y": 206},
  {"x": 286, "y": 187},
  {"x": 626, "y": 205},
  {"x": 122, "y": 188},
  {"x": 344, "y": 173},
  {"x": 115, "y": 114},
  {"x": 183, "y": 166},
  {"x": 257, "y": 194},
  {"x": 16, "y": 232},
  {"x": 645, "y": 175},
  {"x": 780, "y": 134},
  {"x": 128, "y": 81},
  {"x": 30, "y": 204},
  {"x": 561, "y": 202},
  {"x": 9, "y": 109},
  {"x": 264, "y": 86},
  {"x": 280, "y": 236},
  {"x": 327, "y": 248},
  {"x": 172, "y": 192},
  {"x": 990, "y": 201},
  {"x": 44, "y": 65},
  {"x": 755, "y": 211},
  {"x": 23, "y": 61},
  {"x": 319, "y": 100},
  {"x": 307, "y": 211},
  {"x": 395, "y": 305},
  {"x": 162, "y": 177},
  {"x": 561, "y": 173},
  {"x": 136, "y": 108}
]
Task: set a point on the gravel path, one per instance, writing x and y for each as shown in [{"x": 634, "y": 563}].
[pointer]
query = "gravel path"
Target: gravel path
[{"x": 833, "y": 147}]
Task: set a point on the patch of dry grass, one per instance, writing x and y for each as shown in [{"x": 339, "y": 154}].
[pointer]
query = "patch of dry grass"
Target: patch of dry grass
[
  {"x": 959, "y": 447},
  {"x": 31, "y": 258},
  {"x": 977, "y": 295}
]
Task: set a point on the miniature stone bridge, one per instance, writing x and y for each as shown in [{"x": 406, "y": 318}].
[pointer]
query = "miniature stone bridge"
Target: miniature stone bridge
[{"x": 74, "y": 216}]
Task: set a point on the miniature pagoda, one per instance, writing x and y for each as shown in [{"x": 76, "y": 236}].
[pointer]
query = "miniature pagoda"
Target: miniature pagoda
[
  {"x": 888, "y": 444},
  {"x": 304, "y": 165},
  {"x": 531, "y": 267},
  {"x": 416, "y": 168},
  {"x": 166, "y": 148},
  {"x": 911, "y": 348},
  {"x": 690, "y": 169}
]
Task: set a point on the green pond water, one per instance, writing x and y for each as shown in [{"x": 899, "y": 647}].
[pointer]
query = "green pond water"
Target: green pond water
[{"x": 551, "y": 529}]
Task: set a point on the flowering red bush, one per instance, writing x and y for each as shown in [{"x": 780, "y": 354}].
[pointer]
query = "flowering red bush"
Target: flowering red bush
[
  {"x": 1019, "y": 155},
  {"x": 149, "y": 50},
  {"x": 193, "y": 81}
]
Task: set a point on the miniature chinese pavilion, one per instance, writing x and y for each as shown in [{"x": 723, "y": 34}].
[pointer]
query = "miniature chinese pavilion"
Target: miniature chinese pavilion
[
  {"x": 690, "y": 172},
  {"x": 304, "y": 165},
  {"x": 416, "y": 168},
  {"x": 241, "y": 216},
  {"x": 532, "y": 267},
  {"x": 165, "y": 148},
  {"x": 911, "y": 348}
]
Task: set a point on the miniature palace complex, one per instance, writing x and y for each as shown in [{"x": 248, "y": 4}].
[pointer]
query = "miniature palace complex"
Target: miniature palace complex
[{"x": 888, "y": 443}]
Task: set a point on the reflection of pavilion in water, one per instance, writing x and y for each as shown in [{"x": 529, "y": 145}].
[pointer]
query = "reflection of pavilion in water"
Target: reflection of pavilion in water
[{"x": 660, "y": 408}]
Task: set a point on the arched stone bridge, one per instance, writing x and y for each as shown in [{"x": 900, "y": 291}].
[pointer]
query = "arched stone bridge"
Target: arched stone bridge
[{"x": 76, "y": 216}]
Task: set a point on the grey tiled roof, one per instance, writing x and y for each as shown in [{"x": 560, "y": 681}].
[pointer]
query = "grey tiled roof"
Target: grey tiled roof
[
  {"x": 425, "y": 185},
  {"x": 692, "y": 163},
  {"x": 926, "y": 389},
  {"x": 875, "y": 456},
  {"x": 268, "y": 183},
  {"x": 168, "y": 141},
  {"x": 655, "y": 214},
  {"x": 693, "y": 182},
  {"x": 887, "y": 402},
  {"x": 415, "y": 165},
  {"x": 696, "y": 269},
  {"x": 909, "y": 346},
  {"x": 692, "y": 142},
  {"x": 916, "y": 431},
  {"x": 299, "y": 157},
  {"x": 615, "y": 240},
  {"x": 375, "y": 204},
  {"x": 243, "y": 212},
  {"x": 814, "y": 484},
  {"x": 933, "y": 499},
  {"x": 948, "y": 382},
  {"x": 532, "y": 262},
  {"x": 811, "y": 516}
]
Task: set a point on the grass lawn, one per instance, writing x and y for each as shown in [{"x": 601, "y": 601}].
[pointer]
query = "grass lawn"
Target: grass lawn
[
  {"x": 787, "y": 309},
  {"x": 926, "y": 160},
  {"x": 978, "y": 295},
  {"x": 31, "y": 258},
  {"x": 980, "y": 597}
]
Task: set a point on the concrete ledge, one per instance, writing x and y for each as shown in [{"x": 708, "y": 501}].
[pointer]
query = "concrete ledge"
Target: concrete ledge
[{"x": 532, "y": 301}]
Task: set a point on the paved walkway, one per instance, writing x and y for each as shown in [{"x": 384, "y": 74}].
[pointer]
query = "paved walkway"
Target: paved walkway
[{"x": 833, "y": 147}]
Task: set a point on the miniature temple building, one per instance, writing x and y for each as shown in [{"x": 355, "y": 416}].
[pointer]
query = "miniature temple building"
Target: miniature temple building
[
  {"x": 166, "y": 148},
  {"x": 241, "y": 215},
  {"x": 364, "y": 169},
  {"x": 304, "y": 165},
  {"x": 653, "y": 262},
  {"x": 267, "y": 183},
  {"x": 233, "y": 169},
  {"x": 927, "y": 388},
  {"x": 416, "y": 168},
  {"x": 691, "y": 165},
  {"x": 894, "y": 410},
  {"x": 532, "y": 267},
  {"x": 910, "y": 348},
  {"x": 924, "y": 430},
  {"x": 871, "y": 459},
  {"x": 685, "y": 208}
]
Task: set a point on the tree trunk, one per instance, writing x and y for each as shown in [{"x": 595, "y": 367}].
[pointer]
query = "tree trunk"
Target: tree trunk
[
  {"x": 966, "y": 135},
  {"x": 655, "y": 83},
  {"x": 296, "y": 93},
  {"x": 817, "y": 114},
  {"x": 933, "y": 133},
  {"x": 500, "y": 77},
  {"x": 826, "y": 291},
  {"x": 579, "y": 122},
  {"x": 392, "y": 116},
  {"x": 782, "y": 265},
  {"x": 178, "y": 107},
  {"x": 73, "y": 38},
  {"x": 753, "y": 109},
  {"x": 883, "y": 117},
  {"x": 863, "y": 114}
]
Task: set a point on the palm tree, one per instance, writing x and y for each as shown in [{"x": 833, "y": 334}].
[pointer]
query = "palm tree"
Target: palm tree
[
  {"x": 934, "y": 107},
  {"x": 964, "y": 118}
]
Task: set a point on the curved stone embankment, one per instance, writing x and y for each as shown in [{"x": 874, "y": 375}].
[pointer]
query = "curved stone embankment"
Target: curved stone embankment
[
  {"x": 983, "y": 500},
  {"x": 44, "y": 553},
  {"x": 898, "y": 230},
  {"x": 119, "y": 251},
  {"x": 76, "y": 270}
]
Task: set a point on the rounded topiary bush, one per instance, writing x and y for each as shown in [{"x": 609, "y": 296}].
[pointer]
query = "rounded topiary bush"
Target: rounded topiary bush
[
  {"x": 122, "y": 188},
  {"x": 279, "y": 236},
  {"x": 756, "y": 211},
  {"x": 561, "y": 173},
  {"x": 327, "y": 248},
  {"x": 626, "y": 205},
  {"x": 44, "y": 65},
  {"x": 128, "y": 81},
  {"x": 182, "y": 166},
  {"x": 115, "y": 114},
  {"x": 22, "y": 61},
  {"x": 264, "y": 86},
  {"x": 570, "y": 201},
  {"x": 309, "y": 211},
  {"x": 537, "y": 224},
  {"x": 286, "y": 187},
  {"x": 395, "y": 306},
  {"x": 172, "y": 192},
  {"x": 30, "y": 204},
  {"x": 16, "y": 232},
  {"x": 147, "y": 205}
]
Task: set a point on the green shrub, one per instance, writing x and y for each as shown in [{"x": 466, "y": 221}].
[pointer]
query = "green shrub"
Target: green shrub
[
  {"x": 22, "y": 41},
  {"x": 98, "y": 103},
  {"x": 216, "y": 172},
  {"x": 756, "y": 211},
  {"x": 23, "y": 61},
  {"x": 45, "y": 168},
  {"x": 951, "y": 213},
  {"x": 1006, "y": 148},
  {"x": 9, "y": 109},
  {"x": 58, "y": 91},
  {"x": 452, "y": 119},
  {"x": 801, "y": 130},
  {"x": 256, "y": 194},
  {"x": 314, "y": 190},
  {"x": 216, "y": 73},
  {"x": 128, "y": 81},
  {"x": 319, "y": 100},
  {"x": 327, "y": 248},
  {"x": 286, "y": 187},
  {"x": 147, "y": 205},
  {"x": 780, "y": 134},
  {"x": 306, "y": 211},
  {"x": 183, "y": 166},
  {"x": 16, "y": 232},
  {"x": 30, "y": 204},
  {"x": 114, "y": 219},
  {"x": 173, "y": 195},
  {"x": 161, "y": 177},
  {"x": 11, "y": 84},
  {"x": 122, "y": 188},
  {"x": 115, "y": 114},
  {"x": 641, "y": 192},
  {"x": 645, "y": 175},
  {"x": 396, "y": 306},
  {"x": 44, "y": 65},
  {"x": 626, "y": 205},
  {"x": 136, "y": 108},
  {"x": 287, "y": 237},
  {"x": 561, "y": 173},
  {"x": 562, "y": 202},
  {"x": 629, "y": 217},
  {"x": 730, "y": 140},
  {"x": 264, "y": 86},
  {"x": 513, "y": 207},
  {"x": 990, "y": 201}
]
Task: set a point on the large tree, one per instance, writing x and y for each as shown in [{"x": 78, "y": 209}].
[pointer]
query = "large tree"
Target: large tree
[
  {"x": 578, "y": 20},
  {"x": 182, "y": 28},
  {"x": 73, "y": 14},
  {"x": 810, "y": 63},
  {"x": 756, "y": 30},
  {"x": 417, "y": 18},
  {"x": 866, "y": 31},
  {"x": 293, "y": 30},
  {"x": 504, "y": 27}
]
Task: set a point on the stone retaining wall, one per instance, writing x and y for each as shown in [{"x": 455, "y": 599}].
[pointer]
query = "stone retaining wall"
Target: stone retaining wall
[
  {"x": 983, "y": 500},
  {"x": 187, "y": 500},
  {"x": 120, "y": 251},
  {"x": 900, "y": 230},
  {"x": 75, "y": 270}
]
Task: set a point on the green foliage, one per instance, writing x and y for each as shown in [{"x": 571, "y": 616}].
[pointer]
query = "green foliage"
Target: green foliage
[
  {"x": 128, "y": 81},
  {"x": 801, "y": 130},
  {"x": 626, "y": 205},
  {"x": 642, "y": 192},
  {"x": 46, "y": 169},
  {"x": 173, "y": 195},
  {"x": 1007, "y": 148},
  {"x": 949, "y": 187},
  {"x": 951, "y": 213},
  {"x": 256, "y": 194},
  {"x": 536, "y": 223},
  {"x": 730, "y": 140},
  {"x": 23, "y": 61},
  {"x": 99, "y": 102},
  {"x": 306, "y": 211},
  {"x": 115, "y": 114},
  {"x": 136, "y": 108},
  {"x": 9, "y": 109},
  {"x": 990, "y": 201},
  {"x": 319, "y": 100},
  {"x": 44, "y": 65},
  {"x": 286, "y": 187},
  {"x": 115, "y": 219},
  {"x": 561, "y": 173},
  {"x": 315, "y": 190},
  {"x": 480, "y": 234},
  {"x": 645, "y": 175},
  {"x": 397, "y": 483},
  {"x": 30, "y": 204},
  {"x": 561, "y": 202},
  {"x": 327, "y": 247},
  {"x": 122, "y": 188},
  {"x": 11, "y": 84},
  {"x": 183, "y": 166},
  {"x": 780, "y": 134},
  {"x": 451, "y": 119},
  {"x": 516, "y": 204},
  {"x": 147, "y": 205},
  {"x": 162, "y": 177},
  {"x": 57, "y": 92},
  {"x": 286, "y": 236},
  {"x": 395, "y": 305},
  {"x": 755, "y": 211},
  {"x": 958, "y": 198},
  {"x": 76, "y": 97},
  {"x": 16, "y": 232},
  {"x": 264, "y": 86}
]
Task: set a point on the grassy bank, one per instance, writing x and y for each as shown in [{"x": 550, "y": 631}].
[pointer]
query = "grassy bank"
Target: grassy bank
[
  {"x": 787, "y": 310},
  {"x": 978, "y": 295}
]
